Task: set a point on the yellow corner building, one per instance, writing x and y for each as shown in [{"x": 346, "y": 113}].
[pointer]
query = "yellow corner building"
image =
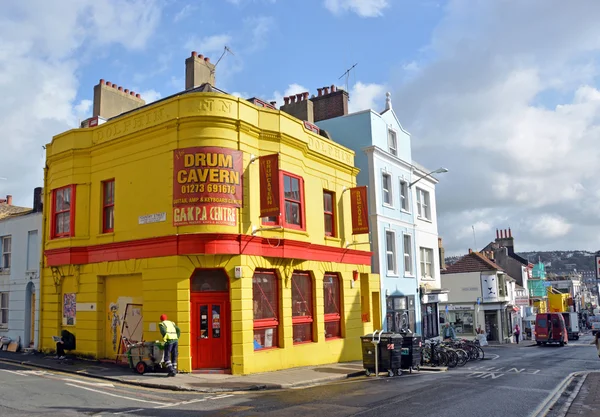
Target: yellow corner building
[{"x": 231, "y": 217}]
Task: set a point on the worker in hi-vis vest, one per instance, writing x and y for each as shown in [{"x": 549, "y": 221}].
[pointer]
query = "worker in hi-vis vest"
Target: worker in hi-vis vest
[{"x": 170, "y": 333}]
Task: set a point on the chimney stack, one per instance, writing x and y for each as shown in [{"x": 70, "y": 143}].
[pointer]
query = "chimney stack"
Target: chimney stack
[
  {"x": 9, "y": 200},
  {"x": 299, "y": 106},
  {"x": 37, "y": 200},
  {"x": 442, "y": 253},
  {"x": 330, "y": 102},
  {"x": 111, "y": 100},
  {"x": 505, "y": 239},
  {"x": 198, "y": 70}
]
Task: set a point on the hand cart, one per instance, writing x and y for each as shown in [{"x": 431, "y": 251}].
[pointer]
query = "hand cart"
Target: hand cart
[{"x": 146, "y": 356}]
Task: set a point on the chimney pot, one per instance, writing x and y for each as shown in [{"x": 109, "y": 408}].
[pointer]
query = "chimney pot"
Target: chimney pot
[
  {"x": 127, "y": 91},
  {"x": 470, "y": 250},
  {"x": 305, "y": 95},
  {"x": 299, "y": 97},
  {"x": 200, "y": 56},
  {"x": 320, "y": 90},
  {"x": 509, "y": 232},
  {"x": 101, "y": 81},
  {"x": 332, "y": 88},
  {"x": 286, "y": 100},
  {"x": 194, "y": 53},
  {"x": 138, "y": 95},
  {"x": 114, "y": 85},
  {"x": 131, "y": 93},
  {"x": 293, "y": 99},
  {"x": 326, "y": 90},
  {"x": 9, "y": 200},
  {"x": 108, "y": 83},
  {"x": 497, "y": 234},
  {"x": 120, "y": 88},
  {"x": 207, "y": 59}
]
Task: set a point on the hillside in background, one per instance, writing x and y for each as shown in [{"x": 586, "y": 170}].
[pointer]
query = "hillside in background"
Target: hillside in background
[{"x": 556, "y": 261}]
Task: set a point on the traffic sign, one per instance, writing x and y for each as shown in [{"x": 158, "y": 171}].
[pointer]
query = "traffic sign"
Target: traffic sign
[{"x": 547, "y": 284}]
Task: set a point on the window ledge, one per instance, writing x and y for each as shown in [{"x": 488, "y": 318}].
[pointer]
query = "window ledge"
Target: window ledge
[
  {"x": 425, "y": 219},
  {"x": 405, "y": 211},
  {"x": 328, "y": 339},
  {"x": 332, "y": 239},
  {"x": 294, "y": 231},
  {"x": 107, "y": 234},
  {"x": 393, "y": 274},
  {"x": 409, "y": 275},
  {"x": 387, "y": 205},
  {"x": 5, "y": 271}
]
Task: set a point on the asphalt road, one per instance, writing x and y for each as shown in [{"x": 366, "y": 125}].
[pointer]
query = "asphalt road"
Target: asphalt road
[{"x": 515, "y": 381}]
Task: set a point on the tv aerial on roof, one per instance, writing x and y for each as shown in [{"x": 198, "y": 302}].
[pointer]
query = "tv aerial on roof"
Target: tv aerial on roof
[
  {"x": 347, "y": 75},
  {"x": 225, "y": 50}
]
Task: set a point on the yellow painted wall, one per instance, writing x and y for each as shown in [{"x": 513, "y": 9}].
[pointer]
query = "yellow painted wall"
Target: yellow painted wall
[
  {"x": 137, "y": 151},
  {"x": 558, "y": 302}
]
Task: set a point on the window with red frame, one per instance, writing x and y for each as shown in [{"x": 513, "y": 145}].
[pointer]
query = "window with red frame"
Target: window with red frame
[
  {"x": 266, "y": 309},
  {"x": 302, "y": 307},
  {"x": 328, "y": 211},
  {"x": 332, "y": 301},
  {"x": 62, "y": 212},
  {"x": 293, "y": 203},
  {"x": 108, "y": 206}
]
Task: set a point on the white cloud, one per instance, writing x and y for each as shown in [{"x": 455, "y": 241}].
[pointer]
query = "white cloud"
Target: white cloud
[
  {"x": 208, "y": 44},
  {"x": 514, "y": 114},
  {"x": 41, "y": 48},
  {"x": 363, "y": 8},
  {"x": 550, "y": 226},
  {"x": 366, "y": 96},
  {"x": 259, "y": 28},
  {"x": 150, "y": 95},
  {"x": 291, "y": 89},
  {"x": 184, "y": 13}
]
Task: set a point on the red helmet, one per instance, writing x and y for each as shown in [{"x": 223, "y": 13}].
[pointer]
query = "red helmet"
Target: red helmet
[{"x": 163, "y": 317}]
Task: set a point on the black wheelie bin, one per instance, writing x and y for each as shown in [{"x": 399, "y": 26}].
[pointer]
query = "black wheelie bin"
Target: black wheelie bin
[
  {"x": 411, "y": 351},
  {"x": 388, "y": 352}
]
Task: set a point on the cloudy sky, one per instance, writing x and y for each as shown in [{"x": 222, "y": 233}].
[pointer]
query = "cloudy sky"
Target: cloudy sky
[{"x": 504, "y": 93}]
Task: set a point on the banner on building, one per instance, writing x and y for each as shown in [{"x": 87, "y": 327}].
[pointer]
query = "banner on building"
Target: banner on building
[
  {"x": 185, "y": 215},
  {"x": 359, "y": 209},
  {"x": 522, "y": 301},
  {"x": 269, "y": 185},
  {"x": 207, "y": 175}
]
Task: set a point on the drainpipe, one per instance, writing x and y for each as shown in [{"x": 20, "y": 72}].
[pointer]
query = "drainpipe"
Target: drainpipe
[{"x": 45, "y": 209}]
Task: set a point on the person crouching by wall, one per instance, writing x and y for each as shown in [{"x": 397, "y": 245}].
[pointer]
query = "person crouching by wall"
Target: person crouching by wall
[
  {"x": 170, "y": 333},
  {"x": 66, "y": 342}
]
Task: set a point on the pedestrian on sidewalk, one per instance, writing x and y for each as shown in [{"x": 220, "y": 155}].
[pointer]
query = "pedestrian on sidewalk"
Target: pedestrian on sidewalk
[
  {"x": 170, "y": 333},
  {"x": 517, "y": 333},
  {"x": 596, "y": 342},
  {"x": 449, "y": 332},
  {"x": 66, "y": 342}
]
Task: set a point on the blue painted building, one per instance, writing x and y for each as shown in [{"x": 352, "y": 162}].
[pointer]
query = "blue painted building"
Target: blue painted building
[{"x": 383, "y": 155}]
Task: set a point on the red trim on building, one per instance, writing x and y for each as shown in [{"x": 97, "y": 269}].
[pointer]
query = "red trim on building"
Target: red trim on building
[{"x": 204, "y": 243}]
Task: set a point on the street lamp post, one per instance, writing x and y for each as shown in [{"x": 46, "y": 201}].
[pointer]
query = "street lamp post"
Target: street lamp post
[{"x": 437, "y": 171}]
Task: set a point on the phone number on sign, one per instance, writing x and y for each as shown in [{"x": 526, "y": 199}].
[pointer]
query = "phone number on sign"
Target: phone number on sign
[{"x": 208, "y": 188}]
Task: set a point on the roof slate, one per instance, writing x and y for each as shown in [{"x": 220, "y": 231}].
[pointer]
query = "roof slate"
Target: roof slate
[
  {"x": 472, "y": 262},
  {"x": 7, "y": 210}
]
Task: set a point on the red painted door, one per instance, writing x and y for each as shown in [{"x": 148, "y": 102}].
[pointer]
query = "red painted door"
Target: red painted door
[{"x": 210, "y": 331}]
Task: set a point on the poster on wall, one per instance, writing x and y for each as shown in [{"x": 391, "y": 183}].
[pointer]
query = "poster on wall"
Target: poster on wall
[
  {"x": 207, "y": 185},
  {"x": 489, "y": 288},
  {"x": 269, "y": 185},
  {"x": 359, "y": 209},
  {"x": 69, "y": 309}
]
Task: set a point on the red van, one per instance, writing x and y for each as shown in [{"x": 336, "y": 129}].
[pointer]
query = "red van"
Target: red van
[{"x": 550, "y": 328}]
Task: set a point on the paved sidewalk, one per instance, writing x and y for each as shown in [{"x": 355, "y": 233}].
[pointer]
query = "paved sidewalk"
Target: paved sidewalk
[
  {"x": 587, "y": 401},
  {"x": 288, "y": 378}
]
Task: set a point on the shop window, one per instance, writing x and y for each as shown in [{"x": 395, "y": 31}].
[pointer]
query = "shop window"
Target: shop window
[
  {"x": 108, "y": 206},
  {"x": 400, "y": 314},
  {"x": 266, "y": 310},
  {"x": 333, "y": 301},
  {"x": 3, "y": 309},
  {"x": 6, "y": 247},
  {"x": 328, "y": 211},
  {"x": 292, "y": 201},
  {"x": 206, "y": 280},
  {"x": 63, "y": 212},
  {"x": 302, "y": 307},
  {"x": 461, "y": 320}
]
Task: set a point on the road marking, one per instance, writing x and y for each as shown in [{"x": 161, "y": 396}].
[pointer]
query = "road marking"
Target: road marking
[
  {"x": 14, "y": 372},
  {"x": 128, "y": 411},
  {"x": 484, "y": 375},
  {"x": 181, "y": 403},
  {"x": 96, "y": 384},
  {"x": 115, "y": 395}
]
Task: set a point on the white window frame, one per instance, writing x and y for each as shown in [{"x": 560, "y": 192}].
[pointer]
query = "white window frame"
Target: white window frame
[
  {"x": 391, "y": 252},
  {"x": 404, "y": 203},
  {"x": 4, "y": 306},
  {"x": 426, "y": 260},
  {"x": 423, "y": 204},
  {"x": 392, "y": 142},
  {"x": 6, "y": 254},
  {"x": 384, "y": 190},
  {"x": 408, "y": 255}
]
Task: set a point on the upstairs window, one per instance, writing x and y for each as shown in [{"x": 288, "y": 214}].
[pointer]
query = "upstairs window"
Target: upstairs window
[
  {"x": 390, "y": 251},
  {"x": 332, "y": 300},
  {"x": 108, "y": 206},
  {"x": 328, "y": 212},
  {"x": 423, "y": 204},
  {"x": 386, "y": 188},
  {"x": 292, "y": 201},
  {"x": 302, "y": 307},
  {"x": 392, "y": 142},
  {"x": 63, "y": 213},
  {"x": 408, "y": 269},
  {"x": 404, "y": 195},
  {"x": 6, "y": 247},
  {"x": 426, "y": 263},
  {"x": 3, "y": 310}
]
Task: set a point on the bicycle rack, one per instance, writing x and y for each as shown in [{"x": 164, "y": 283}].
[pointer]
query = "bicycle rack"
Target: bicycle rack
[{"x": 376, "y": 343}]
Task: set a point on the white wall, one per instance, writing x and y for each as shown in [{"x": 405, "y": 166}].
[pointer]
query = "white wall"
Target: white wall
[
  {"x": 464, "y": 287},
  {"x": 15, "y": 280}
]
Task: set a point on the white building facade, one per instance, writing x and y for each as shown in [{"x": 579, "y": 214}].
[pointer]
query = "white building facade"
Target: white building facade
[{"x": 20, "y": 240}]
